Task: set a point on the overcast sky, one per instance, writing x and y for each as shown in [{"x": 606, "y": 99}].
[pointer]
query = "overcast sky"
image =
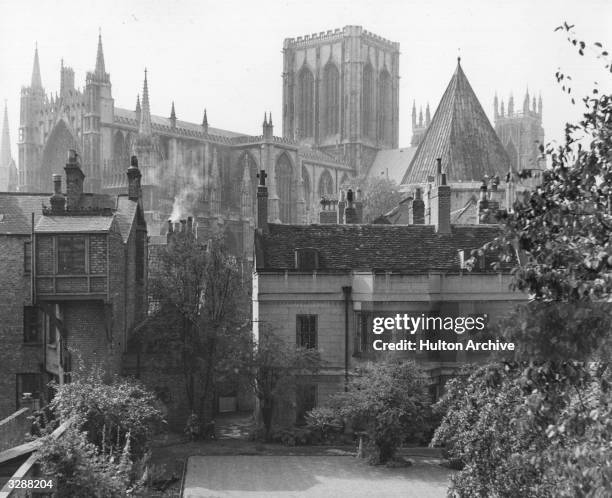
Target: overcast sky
[{"x": 226, "y": 55}]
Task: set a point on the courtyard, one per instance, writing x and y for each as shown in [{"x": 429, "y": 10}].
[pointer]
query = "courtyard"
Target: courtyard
[{"x": 260, "y": 476}]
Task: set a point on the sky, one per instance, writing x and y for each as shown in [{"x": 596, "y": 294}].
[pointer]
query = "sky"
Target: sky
[{"x": 226, "y": 56}]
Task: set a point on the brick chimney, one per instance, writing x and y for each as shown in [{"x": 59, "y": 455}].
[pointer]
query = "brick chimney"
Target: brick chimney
[
  {"x": 418, "y": 208},
  {"x": 351, "y": 216},
  {"x": 483, "y": 204},
  {"x": 262, "y": 202},
  {"x": 329, "y": 212},
  {"x": 74, "y": 180},
  {"x": 58, "y": 201},
  {"x": 441, "y": 202},
  {"x": 341, "y": 206},
  {"x": 170, "y": 233}
]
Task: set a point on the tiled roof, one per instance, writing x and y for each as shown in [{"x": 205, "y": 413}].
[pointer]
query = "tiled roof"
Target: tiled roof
[
  {"x": 462, "y": 136},
  {"x": 79, "y": 224},
  {"x": 16, "y": 212},
  {"x": 410, "y": 248},
  {"x": 392, "y": 163}
]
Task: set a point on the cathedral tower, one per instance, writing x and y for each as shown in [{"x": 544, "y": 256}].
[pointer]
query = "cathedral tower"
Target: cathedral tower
[
  {"x": 521, "y": 132},
  {"x": 8, "y": 170},
  {"x": 341, "y": 93},
  {"x": 99, "y": 106}
]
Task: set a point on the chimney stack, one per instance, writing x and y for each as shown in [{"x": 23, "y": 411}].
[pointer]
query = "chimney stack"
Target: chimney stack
[
  {"x": 170, "y": 232},
  {"x": 329, "y": 213},
  {"x": 134, "y": 176},
  {"x": 58, "y": 201},
  {"x": 74, "y": 180},
  {"x": 350, "y": 213},
  {"x": 418, "y": 208},
  {"x": 441, "y": 202},
  {"x": 341, "y": 207},
  {"x": 359, "y": 206},
  {"x": 190, "y": 225},
  {"x": 262, "y": 202}
]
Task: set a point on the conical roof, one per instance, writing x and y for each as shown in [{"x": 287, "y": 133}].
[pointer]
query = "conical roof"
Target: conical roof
[{"x": 460, "y": 133}]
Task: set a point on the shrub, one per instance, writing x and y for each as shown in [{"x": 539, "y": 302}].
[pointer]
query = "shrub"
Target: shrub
[{"x": 324, "y": 424}]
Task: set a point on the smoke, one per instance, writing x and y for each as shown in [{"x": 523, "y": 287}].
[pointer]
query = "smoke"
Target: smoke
[{"x": 190, "y": 193}]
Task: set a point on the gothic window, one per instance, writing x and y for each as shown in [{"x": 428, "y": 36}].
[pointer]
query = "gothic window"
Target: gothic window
[
  {"x": 306, "y": 188},
  {"x": 345, "y": 180},
  {"x": 384, "y": 106},
  {"x": 366, "y": 102},
  {"x": 326, "y": 185},
  {"x": 283, "y": 186},
  {"x": 305, "y": 103},
  {"x": 331, "y": 91},
  {"x": 513, "y": 154}
]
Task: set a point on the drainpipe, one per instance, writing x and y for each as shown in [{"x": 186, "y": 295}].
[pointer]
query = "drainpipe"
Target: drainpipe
[{"x": 347, "y": 302}]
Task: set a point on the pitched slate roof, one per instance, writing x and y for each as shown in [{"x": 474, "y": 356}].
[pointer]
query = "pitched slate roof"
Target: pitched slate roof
[
  {"x": 410, "y": 248},
  {"x": 126, "y": 215},
  {"x": 16, "y": 212},
  {"x": 74, "y": 224},
  {"x": 460, "y": 133}
]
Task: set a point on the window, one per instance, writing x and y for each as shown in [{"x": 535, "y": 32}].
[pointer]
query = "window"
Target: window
[
  {"x": 331, "y": 89},
  {"x": 27, "y": 257},
  {"x": 306, "y": 259},
  {"x": 306, "y": 331},
  {"x": 384, "y": 106},
  {"x": 28, "y": 386},
  {"x": 70, "y": 254},
  {"x": 32, "y": 325},
  {"x": 366, "y": 101},
  {"x": 284, "y": 183},
  {"x": 305, "y": 103},
  {"x": 305, "y": 400}
]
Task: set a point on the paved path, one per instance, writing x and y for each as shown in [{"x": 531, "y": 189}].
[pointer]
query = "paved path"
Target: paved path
[{"x": 309, "y": 476}]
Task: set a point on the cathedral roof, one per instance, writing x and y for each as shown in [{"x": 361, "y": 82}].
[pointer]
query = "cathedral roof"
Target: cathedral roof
[
  {"x": 409, "y": 248},
  {"x": 392, "y": 163},
  {"x": 460, "y": 133}
]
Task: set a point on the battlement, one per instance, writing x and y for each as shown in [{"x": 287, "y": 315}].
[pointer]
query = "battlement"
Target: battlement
[{"x": 337, "y": 34}]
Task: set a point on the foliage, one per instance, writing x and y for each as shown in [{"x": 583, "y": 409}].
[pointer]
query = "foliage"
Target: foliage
[
  {"x": 293, "y": 436},
  {"x": 274, "y": 369},
  {"x": 81, "y": 470},
  {"x": 541, "y": 431},
  {"x": 109, "y": 414},
  {"x": 200, "y": 314},
  {"x": 390, "y": 403},
  {"x": 324, "y": 424},
  {"x": 378, "y": 195}
]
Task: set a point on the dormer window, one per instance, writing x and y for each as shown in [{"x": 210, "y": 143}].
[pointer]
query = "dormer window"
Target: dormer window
[{"x": 306, "y": 259}]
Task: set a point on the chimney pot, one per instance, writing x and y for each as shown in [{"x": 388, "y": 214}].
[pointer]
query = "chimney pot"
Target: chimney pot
[
  {"x": 57, "y": 184},
  {"x": 170, "y": 227}
]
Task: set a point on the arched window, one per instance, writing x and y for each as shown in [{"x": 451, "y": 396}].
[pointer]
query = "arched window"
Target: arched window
[
  {"x": 284, "y": 180},
  {"x": 305, "y": 103},
  {"x": 331, "y": 92},
  {"x": 306, "y": 188},
  {"x": 120, "y": 152},
  {"x": 384, "y": 106},
  {"x": 326, "y": 184},
  {"x": 345, "y": 180},
  {"x": 367, "y": 111},
  {"x": 513, "y": 154}
]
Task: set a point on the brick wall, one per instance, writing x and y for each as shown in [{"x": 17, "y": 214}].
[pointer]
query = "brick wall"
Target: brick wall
[{"x": 15, "y": 357}]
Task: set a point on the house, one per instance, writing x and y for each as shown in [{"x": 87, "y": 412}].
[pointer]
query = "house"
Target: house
[
  {"x": 74, "y": 275},
  {"x": 327, "y": 285}
]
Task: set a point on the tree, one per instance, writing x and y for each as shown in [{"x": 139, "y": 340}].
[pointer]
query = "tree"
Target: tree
[
  {"x": 274, "y": 369},
  {"x": 200, "y": 313},
  {"x": 540, "y": 426},
  {"x": 389, "y": 401},
  {"x": 379, "y": 196}
]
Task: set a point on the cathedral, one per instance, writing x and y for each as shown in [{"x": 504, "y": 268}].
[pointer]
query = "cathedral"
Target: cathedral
[{"x": 340, "y": 121}]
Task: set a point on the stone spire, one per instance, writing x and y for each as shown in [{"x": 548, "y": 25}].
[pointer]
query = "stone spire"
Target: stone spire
[
  {"x": 205, "y": 122},
  {"x": 36, "y": 79},
  {"x": 526, "y": 101},
  {"x": 5, "y": 144},
  {"x": 173, "y": 116},
  {"x": 427, "y": 115},
  {"x": 540, "y": 105},
  {"x": 100, "y": 69},
  {"x": 145, "y": 115},
  {"x": 421, "y": 117},
  {"x": 138, "y": 109},
  {"x": 496, "y": 106}
]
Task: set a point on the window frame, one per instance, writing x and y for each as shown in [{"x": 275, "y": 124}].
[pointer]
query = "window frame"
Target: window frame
[
  {"x": 61, "y": 268},
  {"x": 299, "y": 330},
  {"x": 27, "y": 257},
  {"x": 19, "y": 391}
]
